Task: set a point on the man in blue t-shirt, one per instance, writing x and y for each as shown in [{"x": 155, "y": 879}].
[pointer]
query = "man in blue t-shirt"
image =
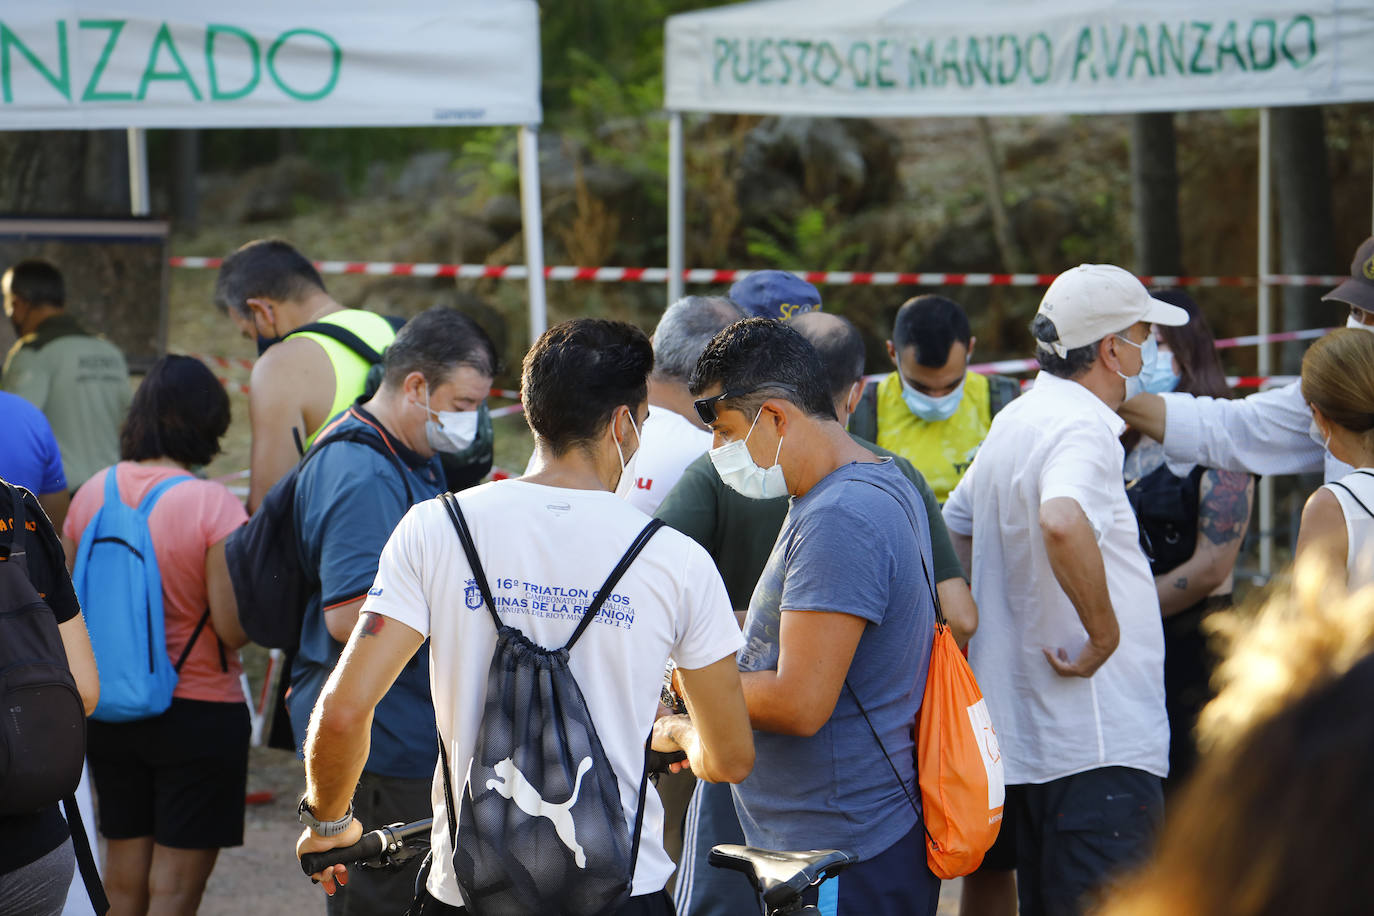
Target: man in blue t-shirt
[
  {"x": 31, "y": 458},
  {"x": 349, "y": 497},
  {"x": 839, "y": 628}
]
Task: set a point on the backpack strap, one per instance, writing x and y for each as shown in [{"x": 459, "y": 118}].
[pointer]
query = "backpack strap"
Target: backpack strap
[
  {"x": 190, "y": 643},
  {"x": 450, "y": 810},
  {"x": 460, "y": 525},
  {"x": 85, "y": 860},
  {"x": 373, "y": 440},
  {"x": 21, "y": 521},
  {"x": 1358, "y": 501},
  {"x": 341, "y": 335},
  {"x": 145, "y": 508},
  {"x": 639, "y": 811},
  {"x": 605, "y": 592},
  {"x": 864, "y": 421}
]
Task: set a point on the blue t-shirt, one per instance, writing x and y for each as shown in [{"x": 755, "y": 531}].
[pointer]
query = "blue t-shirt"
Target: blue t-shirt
[
  {"x": 30, "y": 458},
  {"x": 848, "y": 546},
  {"x": 349, "y": 497}
]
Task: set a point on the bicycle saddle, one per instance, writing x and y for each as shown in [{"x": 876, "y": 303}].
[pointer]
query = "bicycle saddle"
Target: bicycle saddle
[{"x": 780, "y": 876}]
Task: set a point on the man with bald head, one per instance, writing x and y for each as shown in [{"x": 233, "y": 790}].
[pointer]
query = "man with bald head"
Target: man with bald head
[{"x": 739, "y": 533}]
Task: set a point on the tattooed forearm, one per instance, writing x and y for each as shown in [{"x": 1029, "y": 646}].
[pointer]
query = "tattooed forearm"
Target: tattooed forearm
[
  {"x": 1181, "y": 583},
  {"x": 372, "y": 624},
  {"x": 1224, "y": 505}
]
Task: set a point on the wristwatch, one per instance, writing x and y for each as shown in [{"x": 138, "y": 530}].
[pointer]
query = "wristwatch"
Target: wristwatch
[{"x": 323, "y": 828}]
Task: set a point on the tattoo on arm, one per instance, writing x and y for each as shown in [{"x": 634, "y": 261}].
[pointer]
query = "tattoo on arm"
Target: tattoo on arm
[
  {"x": 372, "y": 624},
  {"x": 1181, "y": 583},
  {"x": 1224, "y": 505}
]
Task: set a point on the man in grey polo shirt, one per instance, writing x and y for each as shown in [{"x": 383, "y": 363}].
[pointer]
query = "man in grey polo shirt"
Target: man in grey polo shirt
[{"x": 1070, "y": 648}]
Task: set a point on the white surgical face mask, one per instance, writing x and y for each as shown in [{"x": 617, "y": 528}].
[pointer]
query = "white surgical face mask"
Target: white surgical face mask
[
  {"x": 739, "y": 472},
  {"x": 626, "y": 486},
  {"x": 1357, "y": 324},
  {"x": 453, "y": 432},
  {"x": 1149, "y": 353},
  {"x": 1314, "y": 432}
]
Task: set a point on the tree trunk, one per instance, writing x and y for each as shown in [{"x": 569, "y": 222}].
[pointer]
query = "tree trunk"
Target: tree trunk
[
  {"x": 1306, "y": 236},
  {"x": 1154, "y": 194}
]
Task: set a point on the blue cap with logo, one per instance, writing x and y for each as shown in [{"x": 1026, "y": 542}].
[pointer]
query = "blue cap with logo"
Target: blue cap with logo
[{"x": 777, "y": 294}]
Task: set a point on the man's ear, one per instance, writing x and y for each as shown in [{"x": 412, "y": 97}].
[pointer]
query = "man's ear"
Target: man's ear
[
  {"x": 414, "y": 386},
  {"x": 892, "y": 355},
  {"x": 1106, "y": 353},
  {"x": 971, "y": 342},
  {"x": 856, "y": 393}
]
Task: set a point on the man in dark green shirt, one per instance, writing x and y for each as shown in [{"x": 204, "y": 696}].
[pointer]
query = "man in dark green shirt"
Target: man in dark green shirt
[{"x": 739, "y": 533}]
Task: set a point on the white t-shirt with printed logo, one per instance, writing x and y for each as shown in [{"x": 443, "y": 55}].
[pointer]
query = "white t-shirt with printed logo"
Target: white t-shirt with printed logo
[
  {"x": 671, "y": 442},
  {"x": 546, "y": 551}
]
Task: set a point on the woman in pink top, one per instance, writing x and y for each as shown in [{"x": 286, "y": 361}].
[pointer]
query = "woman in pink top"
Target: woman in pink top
[{"x": 171, "y": 787}]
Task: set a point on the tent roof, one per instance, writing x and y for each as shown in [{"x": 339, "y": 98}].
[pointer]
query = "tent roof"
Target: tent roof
[{"x": 918, "y": 58}]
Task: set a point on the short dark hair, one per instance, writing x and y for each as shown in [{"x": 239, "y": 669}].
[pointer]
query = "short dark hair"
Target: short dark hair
[
  {"x": 752, "y": 352},
  {"x": 38, "y": 282},
  {"x": 685, "y": 329},
  {"x": 180, "y": 411},
  {"x": 264, "y": 269},
  {"x": 1073, "y": 363},
  {"x": 839, "y": 345},
  {"x": 931, "y": 324},
  {"x": 434, "y": 343},
  {"x": 577, "y": 374}
]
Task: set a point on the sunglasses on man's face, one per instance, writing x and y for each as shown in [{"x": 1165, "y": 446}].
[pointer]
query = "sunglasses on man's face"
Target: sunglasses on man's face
[{"x": 706, "y": 407}]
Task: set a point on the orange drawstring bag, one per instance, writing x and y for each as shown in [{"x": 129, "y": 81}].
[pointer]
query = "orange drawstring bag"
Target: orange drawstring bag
[{"x": 958, "y": 763}]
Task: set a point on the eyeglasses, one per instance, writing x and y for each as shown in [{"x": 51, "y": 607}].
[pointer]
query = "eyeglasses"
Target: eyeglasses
[{"x": 706, "y": 407}]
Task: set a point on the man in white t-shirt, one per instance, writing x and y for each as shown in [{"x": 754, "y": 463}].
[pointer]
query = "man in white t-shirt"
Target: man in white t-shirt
[
  {"x": 1070, "y": 646},
  {"x": 673, "y": 434},
  {"x": 547, "y": 542}
]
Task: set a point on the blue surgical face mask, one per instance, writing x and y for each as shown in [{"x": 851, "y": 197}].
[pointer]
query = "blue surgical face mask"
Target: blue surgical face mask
[
  {"x": 1149, "y": 353},
  {"x": 931, "y": 409},
  {"x": 1159, "y": 376}
]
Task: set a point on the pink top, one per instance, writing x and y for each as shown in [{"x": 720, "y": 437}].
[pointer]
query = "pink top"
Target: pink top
[{"x": 186, "y": 522}]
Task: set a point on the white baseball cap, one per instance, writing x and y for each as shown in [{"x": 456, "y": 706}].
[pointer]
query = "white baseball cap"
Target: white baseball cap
[{"x": 1090, "y": 301}]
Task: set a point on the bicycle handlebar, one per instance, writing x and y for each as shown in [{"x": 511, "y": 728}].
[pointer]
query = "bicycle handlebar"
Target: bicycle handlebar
[{"x": 392, "y": 843}]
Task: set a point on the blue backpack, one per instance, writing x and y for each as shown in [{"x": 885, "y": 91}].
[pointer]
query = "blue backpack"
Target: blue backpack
[{"x": 120, "y": 588}]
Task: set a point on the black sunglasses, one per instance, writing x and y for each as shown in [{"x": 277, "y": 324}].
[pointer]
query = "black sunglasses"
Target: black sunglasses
[{"x": 706, "y": 407}]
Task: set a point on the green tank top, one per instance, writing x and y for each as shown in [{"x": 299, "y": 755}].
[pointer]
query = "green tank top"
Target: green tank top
[{"x": 350, "y": 369}]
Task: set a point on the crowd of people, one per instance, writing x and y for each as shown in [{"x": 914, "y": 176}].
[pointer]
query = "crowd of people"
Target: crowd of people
[{"x": 1079, "y": 536}]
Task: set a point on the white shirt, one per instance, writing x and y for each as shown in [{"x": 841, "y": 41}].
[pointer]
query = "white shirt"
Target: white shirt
[
  {"x": 1355, "y": 493},
  {"x": 1059, "y": 440},
  {"x": 671, "y": 442},
  {"x": 1265, "y": 433},
  {"x": 545, "y": 551}
]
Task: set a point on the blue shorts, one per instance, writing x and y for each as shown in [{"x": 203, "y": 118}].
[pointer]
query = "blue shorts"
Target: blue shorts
[{"x": 896, "y": 882}]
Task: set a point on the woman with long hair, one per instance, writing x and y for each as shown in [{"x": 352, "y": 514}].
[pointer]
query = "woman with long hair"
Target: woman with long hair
[
  {"x": 171, "y": 787},
  {"x": 1338, "y": 384},
  {"x": 1192, "y": 522}
]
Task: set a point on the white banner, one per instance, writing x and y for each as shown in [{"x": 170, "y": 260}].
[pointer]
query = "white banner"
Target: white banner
[
  {"x": 267, "y": 63},
  {"x": 902, "y": 59}
]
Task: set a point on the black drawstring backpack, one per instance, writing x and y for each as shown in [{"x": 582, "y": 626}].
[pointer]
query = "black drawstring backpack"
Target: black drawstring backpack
[{"x": 541, "y": 828}]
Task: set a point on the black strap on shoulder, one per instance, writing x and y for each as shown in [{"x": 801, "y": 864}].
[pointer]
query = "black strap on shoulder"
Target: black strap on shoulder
[
  {"x": 460, "y": 525},
  {"x": 85, "y": 860},
  {"x": 372, "y": 440},
  {"x": 340, "y": 335},
  {"x": 1358, "y": 501},
  {"x": 864, "y": 421},
  {"x": 20, "y": 520},
  {"x": 605, "y": 592}
]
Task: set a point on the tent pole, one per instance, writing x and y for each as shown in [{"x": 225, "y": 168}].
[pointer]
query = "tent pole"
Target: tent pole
[
  {"x": 532, "y": 220},
  {"x": 138, "y": 172},
  {"x": 1266, "y": 487},
  {"x": 676, "y": 203}
]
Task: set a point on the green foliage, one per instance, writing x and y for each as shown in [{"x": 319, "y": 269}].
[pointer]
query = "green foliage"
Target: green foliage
[{"x": 815, "y": 241}]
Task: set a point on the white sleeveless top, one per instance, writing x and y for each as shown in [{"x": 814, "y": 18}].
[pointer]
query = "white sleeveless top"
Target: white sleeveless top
[{"x": 1355, "y": 493}]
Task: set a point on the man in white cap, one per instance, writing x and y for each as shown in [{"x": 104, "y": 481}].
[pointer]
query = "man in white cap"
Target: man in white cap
[{"x": 1070, "y": 649}]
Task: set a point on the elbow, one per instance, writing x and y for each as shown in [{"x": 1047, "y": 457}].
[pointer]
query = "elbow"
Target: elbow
[
  {"x": 738, "y": 767},
  {"x": 90, "y": 697},
  {"x": 804, "y": 722}
]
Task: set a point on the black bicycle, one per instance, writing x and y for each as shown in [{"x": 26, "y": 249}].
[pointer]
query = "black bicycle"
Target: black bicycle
[{"x": 779, "y": 877}]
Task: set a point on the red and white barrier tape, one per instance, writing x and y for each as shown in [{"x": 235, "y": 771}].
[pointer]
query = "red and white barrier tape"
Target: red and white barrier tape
[{"x": 708, "y": 275}]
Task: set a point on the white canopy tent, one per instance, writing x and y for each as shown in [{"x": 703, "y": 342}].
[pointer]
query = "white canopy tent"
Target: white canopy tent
[
  {"x": 914, "y": 58},
  {"x": 137, "y": 64}
]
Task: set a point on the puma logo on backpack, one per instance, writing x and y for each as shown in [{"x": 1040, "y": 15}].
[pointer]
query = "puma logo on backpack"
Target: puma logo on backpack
[{"x": 513, "y": 785}]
